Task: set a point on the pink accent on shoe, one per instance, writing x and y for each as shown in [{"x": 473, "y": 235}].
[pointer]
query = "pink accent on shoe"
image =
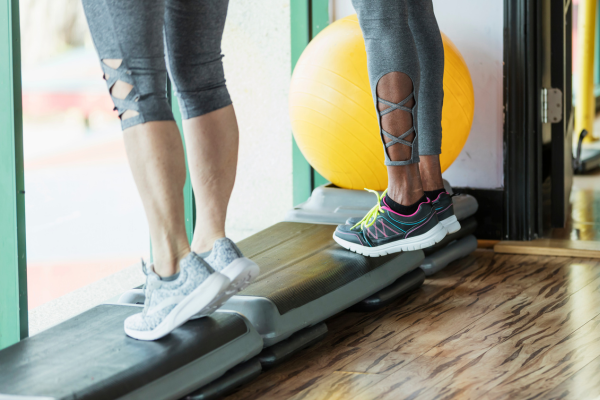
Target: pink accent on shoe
[
  {"x": 387, "y": 208},
  {"x": 445, "y": 209},
  {"x": 382, "y": 230},
  {"x": 359, "y": 239},
  {"x": 387, "y": 226},
  {"x": 440, "y": 195},
  {"x": 417, "y": 227}
]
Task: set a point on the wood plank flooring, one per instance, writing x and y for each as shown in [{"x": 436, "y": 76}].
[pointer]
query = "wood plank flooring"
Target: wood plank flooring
[
  {"x": 491, "y": 326},
  {"x": 551, "y": 247}
]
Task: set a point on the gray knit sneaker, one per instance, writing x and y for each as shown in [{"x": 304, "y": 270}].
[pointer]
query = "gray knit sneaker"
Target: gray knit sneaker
[
  {"x": 227, "y": 259},
  {"x": 198, "y": 291}
]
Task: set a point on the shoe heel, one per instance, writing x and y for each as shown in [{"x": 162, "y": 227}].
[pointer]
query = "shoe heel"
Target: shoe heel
[
  {"x": 453, "y": 227},
  {"x": 241, "y": 274}
]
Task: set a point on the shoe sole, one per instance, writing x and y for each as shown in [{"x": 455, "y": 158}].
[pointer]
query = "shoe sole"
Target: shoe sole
[
  {"x": 428, "y": 239},
  {"x": 203, "y": 301},
  {"x": 451, "y": 224},
  {"x": 241, "y": 272}
]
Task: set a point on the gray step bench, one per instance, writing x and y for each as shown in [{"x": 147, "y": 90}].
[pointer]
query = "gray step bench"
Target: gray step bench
[
  {"x": 306, "y": 277},
  {"x": 90, "y": 357}
]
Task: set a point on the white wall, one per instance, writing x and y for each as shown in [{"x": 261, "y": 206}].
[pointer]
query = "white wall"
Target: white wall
[
  {"x": 256, "y": 46},
  {"x": 476, "y": 28}
]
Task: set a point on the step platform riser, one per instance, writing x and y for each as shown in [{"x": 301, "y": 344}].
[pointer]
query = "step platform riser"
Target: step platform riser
[
  {"x": 229, "y": 382},
  {"x": 400, "y": 288},
  {"x": 452, "y": 252},
  {"x": 275, "y": 327}
]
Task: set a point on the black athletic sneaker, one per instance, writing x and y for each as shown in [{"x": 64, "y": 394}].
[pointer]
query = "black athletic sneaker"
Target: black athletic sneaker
[
  {"x": 383, "y": 231},
  {"x": 445, "y": 212}
]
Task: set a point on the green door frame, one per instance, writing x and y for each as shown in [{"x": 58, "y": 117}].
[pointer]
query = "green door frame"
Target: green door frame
[
  {"x": 13, "y": 262},
  {"x": 188, "y": 193},
  {"x": 308, "y": 18}
]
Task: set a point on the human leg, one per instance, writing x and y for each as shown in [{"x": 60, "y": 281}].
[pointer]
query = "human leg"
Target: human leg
[
  {"x": 393, "y": 66},
  {"x": 430, "y": 49},
  {"x": 129, "y": 38},
  {"x": 209, "y": 126},
  {"x": 403, "y": 219}
]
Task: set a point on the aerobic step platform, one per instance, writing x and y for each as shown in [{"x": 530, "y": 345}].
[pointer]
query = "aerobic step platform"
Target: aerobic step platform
[
  {"x": 453, "y": 247},
  {"x": 307, "y": 277},
  {"x": 90, "y": 357},
  {"x": 329, "y": 204}
]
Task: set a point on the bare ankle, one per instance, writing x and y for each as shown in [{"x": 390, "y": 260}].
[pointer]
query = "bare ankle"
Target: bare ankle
[
  {"x": 165, "y": 268},
  {"x": 431, "y": 173},
  {"x": 166, "y": 260},
  {"x": 204, "y": 243},
  {"x": 404, "y": 185}
]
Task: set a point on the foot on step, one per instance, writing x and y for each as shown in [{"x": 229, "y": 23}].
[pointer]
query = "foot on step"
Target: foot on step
[
  {"x": 226, "y": 258},
  {"x": 444, "y": 209},
  {"x": 196, "y": 290},
  {"x": 383, "y": 231}
]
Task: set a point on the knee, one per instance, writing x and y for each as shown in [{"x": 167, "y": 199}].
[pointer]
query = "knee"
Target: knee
[
  {"x": 138, "y": 90},
  {"x": 199, "y": 82}
]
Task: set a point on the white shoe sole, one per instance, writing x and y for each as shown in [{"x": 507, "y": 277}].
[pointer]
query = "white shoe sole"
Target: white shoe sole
[
  {"x": 203, "y": 301},
  {"x": 428, "y": 239},
  {"x": 241, "y": 272},
  {"x": 451, "y": 224}
]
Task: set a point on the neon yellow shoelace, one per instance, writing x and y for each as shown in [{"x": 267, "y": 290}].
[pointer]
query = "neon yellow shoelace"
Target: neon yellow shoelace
[{"x": 371, "y": 216}]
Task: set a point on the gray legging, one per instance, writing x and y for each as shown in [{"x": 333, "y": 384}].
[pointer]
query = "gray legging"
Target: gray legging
[
  {"x": 403, "y": 36},
  {"x": 148, "y": 36}
]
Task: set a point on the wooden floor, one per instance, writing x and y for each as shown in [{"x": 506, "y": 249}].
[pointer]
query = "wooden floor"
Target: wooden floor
[
  {"x": 491, "y": 326},
  {"x": 581, "y": 235}
]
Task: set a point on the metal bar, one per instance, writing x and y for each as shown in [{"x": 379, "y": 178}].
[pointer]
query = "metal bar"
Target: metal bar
[
  {"x": 561, "y": 78},
  {"x": 522, "y": 127},
  {"x": 585, "y": 112},
  {"x": 597, "y": 52},
  {"x": 13, "y": 261}
]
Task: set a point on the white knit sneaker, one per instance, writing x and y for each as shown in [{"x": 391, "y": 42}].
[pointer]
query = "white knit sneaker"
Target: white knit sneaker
[
  {"x": 226, "y": 258},
  {"x": 198, "y": 291}
]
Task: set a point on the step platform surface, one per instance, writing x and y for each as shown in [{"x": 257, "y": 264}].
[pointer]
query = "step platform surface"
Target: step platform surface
[
  {"x": 90, "y": 357},
  {"x": 306, "y": 277}
]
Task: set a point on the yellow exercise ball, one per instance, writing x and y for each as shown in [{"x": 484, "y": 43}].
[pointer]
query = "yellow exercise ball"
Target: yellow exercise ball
[{"x": 333, "y": 116}]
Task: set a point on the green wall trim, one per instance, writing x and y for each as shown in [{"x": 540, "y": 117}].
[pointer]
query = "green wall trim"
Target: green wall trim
[
  {"x": 13, "y": 260},
  {"x": 308, "y": 18},
  {"x": 320, "y": 20},
  {"x": 300, "y": 31}
]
